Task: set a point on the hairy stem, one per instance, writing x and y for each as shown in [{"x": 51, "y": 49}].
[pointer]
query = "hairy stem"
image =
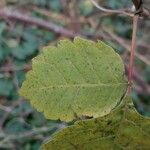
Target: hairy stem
[{"x": 133, "y": 46}]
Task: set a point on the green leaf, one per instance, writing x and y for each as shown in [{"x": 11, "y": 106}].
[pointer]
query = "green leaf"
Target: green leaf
[
  {"x": 6, "y": 87},
  {"x": 86, "y": 7},
  {"x": 55, "y": 5},
  {"x": 2, "y": 28},
  {"x": 75, "y": 79},
  {"x": 15, "y": 126},
  {"x": 122, "y": 129},
  {"x": 25, "y": 50}
]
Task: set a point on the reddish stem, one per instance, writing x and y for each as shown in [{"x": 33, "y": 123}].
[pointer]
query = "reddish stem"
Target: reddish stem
[{"x": 133, "y": 46}]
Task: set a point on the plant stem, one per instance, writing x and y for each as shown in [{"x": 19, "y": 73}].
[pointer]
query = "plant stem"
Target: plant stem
[{"x": 133, "y": 46}]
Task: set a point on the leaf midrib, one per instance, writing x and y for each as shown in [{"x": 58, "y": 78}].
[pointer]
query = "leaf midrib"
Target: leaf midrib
[{"x": 83, "y": 85}]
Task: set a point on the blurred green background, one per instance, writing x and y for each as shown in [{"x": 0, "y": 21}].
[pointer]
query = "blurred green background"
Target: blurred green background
[{"x": 21, "y": 126}]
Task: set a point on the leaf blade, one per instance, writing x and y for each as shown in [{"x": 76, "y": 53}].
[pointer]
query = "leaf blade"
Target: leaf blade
[
  {"x": 113, "y": 131},
  {"x": 77, "y": 77}
]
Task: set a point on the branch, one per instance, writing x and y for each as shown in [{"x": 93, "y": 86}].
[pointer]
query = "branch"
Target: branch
[
  {"x": 124, "y": 44},
  {"x": 5, "y": 108},
  {"x": 12, "y": 69},
  {"x": 137, "y": 4},
  {"x": 133, "y": 46},
  {"x": 120, "y": 11},
  {"x": 29, "y": 134},
  {"x": 144, "y": 86},
  {"x": 9, "y": 13},
  {"x": 140, "y": 9}
]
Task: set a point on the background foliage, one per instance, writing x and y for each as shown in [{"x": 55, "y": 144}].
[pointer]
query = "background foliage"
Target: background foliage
[{"x": 21, "y": 127}]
